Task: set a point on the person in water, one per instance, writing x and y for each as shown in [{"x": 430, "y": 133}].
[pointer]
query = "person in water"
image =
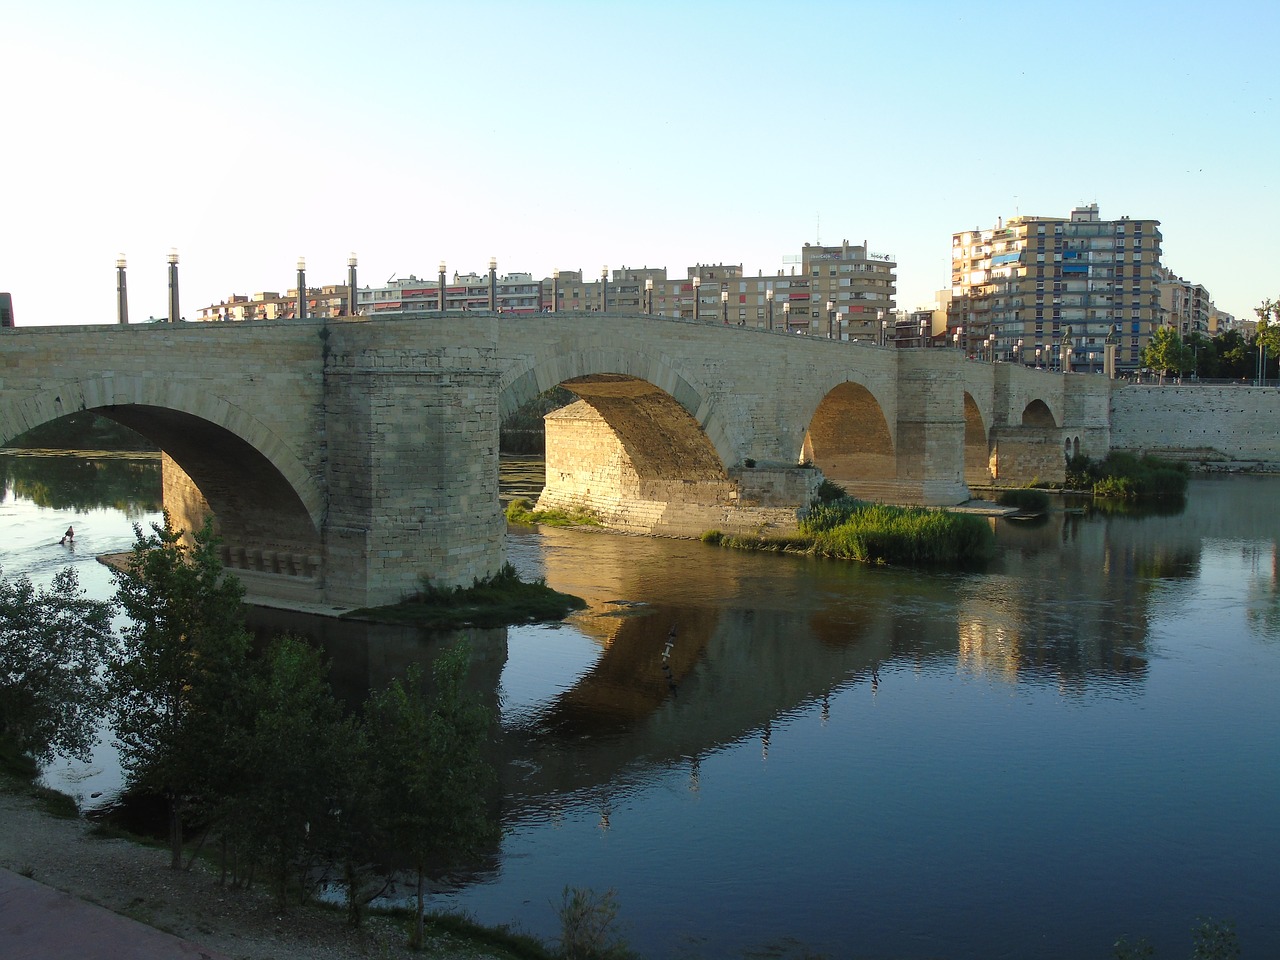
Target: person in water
[{"x": 69, "y": 536}]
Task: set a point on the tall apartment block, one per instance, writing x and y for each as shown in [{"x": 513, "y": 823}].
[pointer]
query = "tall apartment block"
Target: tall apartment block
[{"x": 1031, "y": 287}]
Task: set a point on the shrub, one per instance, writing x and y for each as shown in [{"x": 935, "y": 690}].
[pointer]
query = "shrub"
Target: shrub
[
  {"x": 828, "y": 491},
  {"x": 712, "y": 537},
  {"x": 588, "y": 926}
]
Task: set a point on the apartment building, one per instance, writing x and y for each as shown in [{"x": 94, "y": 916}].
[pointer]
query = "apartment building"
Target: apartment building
[
  {"x": 1031, "y": 286},
  {"x": 325, "y": 301}
]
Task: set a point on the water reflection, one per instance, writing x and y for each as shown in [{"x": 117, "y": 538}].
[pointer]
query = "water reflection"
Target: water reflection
[
  {"x": 128, "y": 482},
  {"x": 820, "y": 747}
]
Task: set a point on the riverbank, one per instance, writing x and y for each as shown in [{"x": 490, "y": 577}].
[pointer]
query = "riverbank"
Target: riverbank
[{"x": 135, "y": 881}]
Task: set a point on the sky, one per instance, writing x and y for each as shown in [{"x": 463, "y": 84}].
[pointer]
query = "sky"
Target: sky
[{"x": 575, "y": 135}]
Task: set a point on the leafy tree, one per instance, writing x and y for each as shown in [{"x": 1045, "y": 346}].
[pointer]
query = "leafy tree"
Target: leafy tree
[
  {"x": 1266, "y": 342},
  {"x": 1234, "y": 358},
  {"x": 430, "y": 772},
  {"x": 1166, "y": 352},
  {"x": 178, "y": 674},
  {"x": 292, "y": 759},
  {"x": 53, "y": 643}
]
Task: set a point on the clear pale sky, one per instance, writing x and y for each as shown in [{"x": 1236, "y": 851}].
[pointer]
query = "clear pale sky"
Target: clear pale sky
[{"x": 575, "y": 135}]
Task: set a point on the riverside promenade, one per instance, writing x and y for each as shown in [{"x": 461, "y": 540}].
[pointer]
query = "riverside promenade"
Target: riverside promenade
[{"x": 40, "y": 923}]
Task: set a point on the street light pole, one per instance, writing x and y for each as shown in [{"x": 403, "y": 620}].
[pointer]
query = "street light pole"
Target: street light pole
[
  {"x": 493, "y": 284},
  {"x": 555, "y": 291},
  {"x": 768, "y": 306},
  {"x": 724, "y": 306},
  {"x": 648, "y": 296},
  {"x": 122, "y": 294},
  {"x": 351, "y": 285},
  {"x": 831, "y": 311},
  {"x": 302, "y": 289},
  {"x": 604, "y": 289},
  {"x": 440, "y": 299},
  {"x": 173, "y": 286},
  {"x": 697, "y": 312}
]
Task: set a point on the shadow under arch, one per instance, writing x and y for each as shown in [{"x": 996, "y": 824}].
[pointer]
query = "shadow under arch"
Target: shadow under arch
[
  {"x": 617, "y": 364},
  {"x": 849, "y": 438},
  {"x": 977, "y": 445},
  {"x": 1037, "y": 414}
]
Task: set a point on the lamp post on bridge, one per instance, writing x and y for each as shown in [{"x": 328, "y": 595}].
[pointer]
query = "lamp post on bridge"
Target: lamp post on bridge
[
  {"x": 786, "y": 316},
  {"x": 604, "y": 289},
  {"x": 493, "y": 284},
  {"x": 302, "y": 289},
  {"x": 440, "y": 298},
  {"x": 122, "y": 295},
  {"x": 173, "y": 285},
  {"x": 351, "y": 285},
  {"x": 768, "y": 306},
  {"x": 724, "y": 306},
  {"x": 555, "y": 291},
  {"x": 831, "y": 319},
  {"x": 697, "y": 290},
  {"x": 648, "y": 296}
]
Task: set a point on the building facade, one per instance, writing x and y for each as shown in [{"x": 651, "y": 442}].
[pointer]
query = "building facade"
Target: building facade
[
  {"x": 1045, "y": 290},
  {"x": 845, "y": 292}
]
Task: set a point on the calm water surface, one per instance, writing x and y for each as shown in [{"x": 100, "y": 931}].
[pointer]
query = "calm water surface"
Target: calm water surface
[{"x": 1028, "y": 761}]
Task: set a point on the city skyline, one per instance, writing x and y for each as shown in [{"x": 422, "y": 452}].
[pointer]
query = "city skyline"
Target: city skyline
[{"x": 568, "y": 136}]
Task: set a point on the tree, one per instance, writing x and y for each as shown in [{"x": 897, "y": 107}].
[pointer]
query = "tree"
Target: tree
[
  {"x": 1166, "y": 352},
  {"x": 178, "y": 673},
  {"x": 294, "y": 757},
  {"x": 430, "y": 772},
  {"x": 52, "y": 647},
  {"x": 1267, "y": 339}
]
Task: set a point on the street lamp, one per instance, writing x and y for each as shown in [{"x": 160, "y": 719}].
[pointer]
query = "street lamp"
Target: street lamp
[
  {"x": 724, "y": 306},
  {"x": 604, "y": 289},
  {"x": 440, "y": 299},
  {"x": 351, "y": 284},
  {"x": 302, "y": 289},
  {"x": 768, "y": 306},
  {"x": 1037, "y": 358},
  {"x": 555, "y": 291},
  {"x": 697, "y": 282},
  {"x": 924, "y": 341},
  {"x": 493, "y": 284},
  {"x": 831, "y": 311},
  {"x": 786, "y": 316},
  {"x": 1020, "y": 350},
  {"x": 122, "y": 295},
  {"x": 173, "y": 285},
  {"x": 884, "y": 333},
  {"x": 648, "y": 295}
]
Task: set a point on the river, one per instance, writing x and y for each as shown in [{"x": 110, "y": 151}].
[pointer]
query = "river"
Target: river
[{"x": 1032, "y": 760}]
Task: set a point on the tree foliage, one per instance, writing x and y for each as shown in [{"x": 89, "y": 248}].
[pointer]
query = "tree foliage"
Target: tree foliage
[
  {"x": 53, "y": 643},
  {"x": 175, "y": 679},
  {"x": 1166, "y": 352},
  {"x": 295, "y": 758},
  {"x": 430, "y": 772}
]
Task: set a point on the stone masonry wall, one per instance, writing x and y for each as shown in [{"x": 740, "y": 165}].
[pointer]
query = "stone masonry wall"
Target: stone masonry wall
[{"x": 1210, "y": 424}]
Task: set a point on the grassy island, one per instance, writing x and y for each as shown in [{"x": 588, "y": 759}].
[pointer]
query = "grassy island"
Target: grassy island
[
  {"x": 1124, "y": 476},
  {"x": 521, "y": 511},
  {"x": 849, "y": 529},
  {"x": 496, "y": 601}
]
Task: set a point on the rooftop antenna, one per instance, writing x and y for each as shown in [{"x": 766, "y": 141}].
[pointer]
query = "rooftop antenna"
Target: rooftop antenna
[{"x": 817, "y": 228}]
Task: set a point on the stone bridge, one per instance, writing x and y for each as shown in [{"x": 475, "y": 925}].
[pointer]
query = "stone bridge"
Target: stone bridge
[{"x": 344, "y": 460}]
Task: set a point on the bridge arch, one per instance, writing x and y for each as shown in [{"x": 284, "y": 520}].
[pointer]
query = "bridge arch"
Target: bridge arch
[
  {"x": 263, "y": 497},
  {"x": 850, "y": 440},
  {"x": 1037, "y": 414},
  {"x": 977, "y": 445},
  {"x": 523, "y": 382}
]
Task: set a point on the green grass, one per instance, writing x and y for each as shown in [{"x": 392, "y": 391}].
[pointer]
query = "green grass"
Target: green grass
[
  {"x": 521, "y": 511},
  {"x": 849, "y": 529},
  {"x": 18, "y": 774},
  {"x": 496, "y": 601}
]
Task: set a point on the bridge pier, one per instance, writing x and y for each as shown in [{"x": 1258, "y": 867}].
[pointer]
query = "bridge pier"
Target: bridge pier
[
  {"x": 930, "y": 432},
  {"x": 412, "y": 479}
]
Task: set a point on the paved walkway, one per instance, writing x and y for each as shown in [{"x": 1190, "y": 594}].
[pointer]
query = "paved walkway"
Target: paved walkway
[{"x": 41, "y": 923}]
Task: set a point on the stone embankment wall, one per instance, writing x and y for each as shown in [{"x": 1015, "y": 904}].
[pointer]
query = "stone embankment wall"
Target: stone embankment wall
[{"x": 1217, "y": 426}]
